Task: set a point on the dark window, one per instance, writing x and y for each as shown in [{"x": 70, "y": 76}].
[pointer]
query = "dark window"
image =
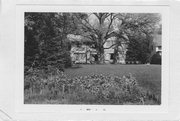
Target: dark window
[
  {"x": 112, "y": 56},
  {"x": 96, "y": 57}
]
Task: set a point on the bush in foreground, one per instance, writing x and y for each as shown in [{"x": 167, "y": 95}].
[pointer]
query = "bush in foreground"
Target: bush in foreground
[{"x": 55, "y": 87}]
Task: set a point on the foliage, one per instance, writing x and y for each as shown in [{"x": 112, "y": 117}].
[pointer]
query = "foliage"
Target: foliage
[
  {"x": 139, "y": 49},
  {"x": 92, "y": 89},
  {"x": 46, "y": 39}
]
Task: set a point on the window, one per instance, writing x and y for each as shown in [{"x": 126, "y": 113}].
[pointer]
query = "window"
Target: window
[{"x": 112, "y": 56}]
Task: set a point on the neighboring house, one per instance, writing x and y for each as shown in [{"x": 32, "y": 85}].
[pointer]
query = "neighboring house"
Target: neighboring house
[
  {"x": 157, "y": 41},
  {"x": 157, "y": 50}
]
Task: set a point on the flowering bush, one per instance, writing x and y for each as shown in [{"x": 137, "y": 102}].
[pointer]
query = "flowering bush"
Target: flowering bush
[{"x": 93, "y": 89}]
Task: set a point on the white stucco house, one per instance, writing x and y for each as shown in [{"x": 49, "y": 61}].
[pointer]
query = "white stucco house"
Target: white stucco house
[{"x": 86, "y": 54}]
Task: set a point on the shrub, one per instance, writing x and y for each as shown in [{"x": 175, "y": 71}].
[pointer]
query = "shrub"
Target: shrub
[{"x": 156, "y": 59}]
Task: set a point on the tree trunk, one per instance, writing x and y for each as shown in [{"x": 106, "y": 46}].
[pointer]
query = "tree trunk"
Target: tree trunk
[
  {"x": 101, "y": 56},
  {"x": 115, "y": 55}
]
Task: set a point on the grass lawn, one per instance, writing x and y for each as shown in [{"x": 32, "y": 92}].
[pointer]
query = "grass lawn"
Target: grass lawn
[{"x": 148, "y": 76}]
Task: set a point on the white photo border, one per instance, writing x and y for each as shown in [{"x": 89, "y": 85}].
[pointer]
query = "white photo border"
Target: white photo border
[{"x": 27, "y": 108}]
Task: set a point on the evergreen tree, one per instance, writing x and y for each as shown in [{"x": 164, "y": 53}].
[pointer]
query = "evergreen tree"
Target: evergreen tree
[{"x": 46, "y": 40}]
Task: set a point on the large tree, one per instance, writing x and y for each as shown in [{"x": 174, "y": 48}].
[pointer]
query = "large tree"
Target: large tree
[{"x": 98, "y": 28}]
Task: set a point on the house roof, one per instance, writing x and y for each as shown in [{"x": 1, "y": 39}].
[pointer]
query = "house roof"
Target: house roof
[
  {"x": 158, "y": 40},
  {"x": 82, "y": 49}
]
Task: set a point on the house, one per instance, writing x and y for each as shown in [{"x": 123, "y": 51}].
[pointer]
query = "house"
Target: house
[
  {"x": 157, "y": 44},
  {"x": 86, "y": 54}
]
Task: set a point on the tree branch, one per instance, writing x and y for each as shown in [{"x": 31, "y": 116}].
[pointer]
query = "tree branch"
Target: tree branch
[
  {"x": 89, "y": 28},
  {"x": 108, "y": 29}
]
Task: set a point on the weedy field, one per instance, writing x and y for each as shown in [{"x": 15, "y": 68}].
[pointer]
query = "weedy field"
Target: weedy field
[{"x": 96, "y": 84}]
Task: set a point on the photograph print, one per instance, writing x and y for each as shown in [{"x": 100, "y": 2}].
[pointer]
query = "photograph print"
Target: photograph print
[{"x": 92, "y": 58}]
